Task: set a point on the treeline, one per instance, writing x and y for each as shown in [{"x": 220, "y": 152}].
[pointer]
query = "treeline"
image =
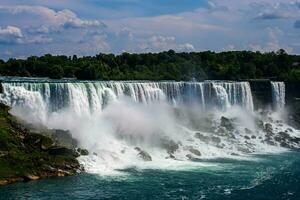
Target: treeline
[{"x": 167, "y": 65}]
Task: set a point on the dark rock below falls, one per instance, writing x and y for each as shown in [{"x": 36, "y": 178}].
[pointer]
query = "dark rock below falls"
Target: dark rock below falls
[{"x": 27, "y": 154}]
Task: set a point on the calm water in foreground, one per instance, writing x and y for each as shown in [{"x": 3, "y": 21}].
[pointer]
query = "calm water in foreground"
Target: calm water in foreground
[{"x": 266, "y": 177}]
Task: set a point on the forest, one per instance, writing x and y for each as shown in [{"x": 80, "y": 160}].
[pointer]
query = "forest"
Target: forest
[{"x": 167, "y": 65}]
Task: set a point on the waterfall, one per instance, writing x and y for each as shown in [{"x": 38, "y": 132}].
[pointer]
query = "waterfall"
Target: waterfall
[
  {"x": 278, "y": 94},
  {"x": 221, "y": 96},
  {"x": 167, "y": 119},
  {"x": 233, "y": 93},
  {"x": 89, "y": 97}
]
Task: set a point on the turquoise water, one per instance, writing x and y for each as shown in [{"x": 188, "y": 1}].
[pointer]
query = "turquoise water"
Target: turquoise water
[{"x": 265, "y": 177}]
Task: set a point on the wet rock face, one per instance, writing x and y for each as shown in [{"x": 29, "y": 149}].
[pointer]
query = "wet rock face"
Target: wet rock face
[
  {"x": 227, "y": 123},
  {"x": 38, "y": 141},
  {"x": 293, "y": 107},
  {"x": 247, "y": 137},
  {"x": 259, "y": 124},
  {"x": 143, "y": 154},
  {"x": 82, "y": 152},
  {"x": 64, "y": 138},
  {"x": 35, "y": 152},
  {"x": 62, "y": 151},
  {"x": 195, "y": 151},
  {"x": 248, "y": 131},
  {"x": 169, "y": 145},
  {"x": 215, "y": 139},
  {"x": 201, "y": 137},
  {"x": 204, "y": 124},
  {"x": 189, "y": 156},
  {"x": 285, "y": 140},
  {"x": 268, "y": 129},
  {"x": 207, "y": 139}
]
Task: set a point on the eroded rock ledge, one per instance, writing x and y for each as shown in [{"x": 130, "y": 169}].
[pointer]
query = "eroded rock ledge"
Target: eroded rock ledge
[{"x": 29, "y": 153}]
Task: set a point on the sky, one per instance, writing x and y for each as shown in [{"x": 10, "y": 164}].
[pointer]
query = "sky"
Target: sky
[{"x": 88, "y": 27}]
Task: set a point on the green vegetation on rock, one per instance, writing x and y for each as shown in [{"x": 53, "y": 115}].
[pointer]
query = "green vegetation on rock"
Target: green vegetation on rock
[{"x": 29, "y": 156}]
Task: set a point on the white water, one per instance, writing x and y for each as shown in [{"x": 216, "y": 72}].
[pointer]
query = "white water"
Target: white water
[
  {"x": 112, "y": 118},
  {"x": 91, "y": 97},
  {"x": 278, "y": 95}
]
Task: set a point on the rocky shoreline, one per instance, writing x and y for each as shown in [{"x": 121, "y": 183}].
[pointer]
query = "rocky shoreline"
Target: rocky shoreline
[{"x": 30, "y": 153}]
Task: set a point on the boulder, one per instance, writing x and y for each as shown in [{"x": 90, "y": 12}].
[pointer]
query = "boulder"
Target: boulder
[
  {"x": 286, "y": 140},
  {"x": 171, "y": 156},
  {"x": 82, "y": 152},
  {"x": 3, "y": 153},
  {"x": 30, "y": 177},
  {"x": 289, "y": 130},
  {"x": 195, "y": 152},
  {"x": 244, "y": 149},
  {"x": 227, "y": 123},
  {"x": 269, "y": 141},
  {"x": 192, "y": 158},
  {"x": 247, "y": 137},
  {"x": 46, "y": 143},
  {"x": 143, "y": 154},
  {"x": 215, "y": 139},
  {"x": 189, "y": 156},
  {"x": 3, "y": 182},
  {"x": 248, "y": 131},
  {"x": 268, "y": 128},
  {"x": 259, "y": 124},
  {"x": 221, "y": 130},
  {"x": 48, "y": 168},
  {"x": 169, "y": 145},
  {"x": 201, "y": 137}
]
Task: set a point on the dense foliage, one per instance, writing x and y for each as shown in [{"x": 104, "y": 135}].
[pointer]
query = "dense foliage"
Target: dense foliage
[{"x": 159, "y": 66}]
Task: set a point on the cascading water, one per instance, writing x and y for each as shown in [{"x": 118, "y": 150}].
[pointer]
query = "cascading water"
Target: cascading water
[
  {"x": 278, "y": 95},
  {"x": 121, "y": 120},
  {"x": 89, "y": 97}
]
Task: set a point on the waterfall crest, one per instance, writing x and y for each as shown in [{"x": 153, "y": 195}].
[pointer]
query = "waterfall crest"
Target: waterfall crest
[{"x": 90, "y": 97}]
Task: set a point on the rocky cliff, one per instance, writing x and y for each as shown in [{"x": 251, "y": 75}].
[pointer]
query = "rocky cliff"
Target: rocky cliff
[{"x": 30, "y": 153}]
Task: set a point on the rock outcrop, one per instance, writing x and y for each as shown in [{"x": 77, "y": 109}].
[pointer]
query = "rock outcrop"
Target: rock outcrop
[
  {"x": 227, "y": 123},
  {"x": 195, "y": 151},
  {"x": 30, "y": 154},
  {"x": 169, "y": 145},
  {"x": 143, "y": 154}
]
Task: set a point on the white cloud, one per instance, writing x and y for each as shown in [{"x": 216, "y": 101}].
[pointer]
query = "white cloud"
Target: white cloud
[
  {"x": 187, "y": 47},
  {"x": 38, "y": 40},
  {"x": 14, "y": 35},
  {"x": 159, "y": 43},
  {"x": 273, "y": 43},
  {"x": 10, "y": 34},
  {"x": 51, "y": 18}
]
